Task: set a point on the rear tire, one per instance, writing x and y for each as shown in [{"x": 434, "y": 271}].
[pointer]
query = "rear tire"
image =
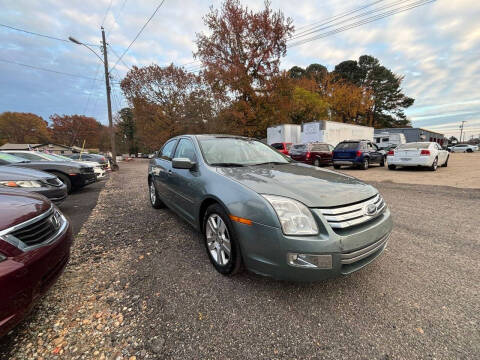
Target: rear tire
[
  {"x": 316, "y": 163},
  {"x": 336, "y": 166},
  {"x": 434, "y": 165},
  {"x": 392, "y": 167},
  {"x": 382, "y": 162},
  {"x": 365, "y": 164},
  {"x": 221, "y": 241},
  {"x": 153, "y": 195},
  {"x": 65, "y": 179}
]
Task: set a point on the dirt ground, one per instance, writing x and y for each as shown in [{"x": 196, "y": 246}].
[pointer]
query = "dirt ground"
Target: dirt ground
[{"x": 463, "y": 171}]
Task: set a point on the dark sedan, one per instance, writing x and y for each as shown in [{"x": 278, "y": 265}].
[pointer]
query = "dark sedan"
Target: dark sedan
[
  {"x": 35, "y": 240},
  {"x": 73, "y": 175},
  {"x": 33, "y": 181},
  {"x": 259, "y": 208}
]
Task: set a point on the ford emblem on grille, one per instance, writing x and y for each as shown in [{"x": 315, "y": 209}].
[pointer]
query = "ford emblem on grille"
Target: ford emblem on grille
[{"x": 371, "y": 210}]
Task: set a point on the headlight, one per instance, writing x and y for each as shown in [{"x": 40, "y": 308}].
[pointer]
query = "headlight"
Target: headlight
[
  {"x": 22, "y": 183},
  {"x": 296, "y": 218}
]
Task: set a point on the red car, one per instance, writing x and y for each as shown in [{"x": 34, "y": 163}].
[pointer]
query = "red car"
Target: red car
[
  {"x": 317, "y": 154},
  {"x": 35, "y": 240},
  {"x": 283, "y": 147}
]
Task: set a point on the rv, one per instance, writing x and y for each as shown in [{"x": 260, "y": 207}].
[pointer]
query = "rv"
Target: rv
[{"x": 388, "y": 140}]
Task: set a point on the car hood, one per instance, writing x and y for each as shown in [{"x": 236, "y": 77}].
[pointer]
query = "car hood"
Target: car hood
[
  {"x": 312, "y": 186},
  {"x": 18, "y": 173},
  {"x": 17, "y": 206}
]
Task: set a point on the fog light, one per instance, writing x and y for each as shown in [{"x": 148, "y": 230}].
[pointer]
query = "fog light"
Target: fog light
[{"x": 309, "y": 261}]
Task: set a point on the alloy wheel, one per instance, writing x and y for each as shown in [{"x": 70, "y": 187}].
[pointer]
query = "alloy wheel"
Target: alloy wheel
[
  {"x": 218, "y": 239},
  {"x": 153, "y": 196}
]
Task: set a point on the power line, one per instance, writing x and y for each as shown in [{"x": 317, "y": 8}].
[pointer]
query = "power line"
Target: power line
[
  {"x": 330, "y": 19},
  {"x": 106, "y": 12},
  {"x": 143, "y": 27},
  {"x": 48, "y": 70},
  {"x": 118, "y": 57},
  {"x": 362, "y": 22},
  {"x": 92, "y": 88},
  {"x": 41, "y": 35},
  {"x": 334, "y": 22}
]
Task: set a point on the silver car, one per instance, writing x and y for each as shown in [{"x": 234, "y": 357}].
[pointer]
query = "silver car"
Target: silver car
[{"x": 258, "y": 208}]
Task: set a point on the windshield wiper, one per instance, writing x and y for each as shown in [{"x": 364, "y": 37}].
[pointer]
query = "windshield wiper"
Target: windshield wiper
[
  {"x": 272, "y": 162},
  {"x": 227, "y": 164}
]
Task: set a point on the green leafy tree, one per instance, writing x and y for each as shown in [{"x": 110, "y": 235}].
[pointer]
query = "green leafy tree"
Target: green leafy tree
[
  {"x": 127, "y": 129},
  {"x": 385, "y": 89}
]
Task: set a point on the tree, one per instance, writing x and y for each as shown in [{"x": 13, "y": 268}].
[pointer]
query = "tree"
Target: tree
[
  {"x": 126, "y": 129},
  {"x": 23, "y": 128},
  {"x": 389, "y": 102},
  {"x": 452, "y": 140},
  {"x": 167, "y": 101},
  {"x": 241, "y": 55},
  {"x": 74, "y": 129}
]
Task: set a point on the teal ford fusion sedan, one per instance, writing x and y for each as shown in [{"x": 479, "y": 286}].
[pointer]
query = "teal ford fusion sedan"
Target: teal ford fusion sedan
[{"x": 258, "y": 208}]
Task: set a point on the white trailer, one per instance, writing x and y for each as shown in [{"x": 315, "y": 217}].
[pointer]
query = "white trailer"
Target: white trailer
[
  {"x": 386, "y": 139},
  {"x": 289, "y": 133},
  {"x": 332, "y": 132}
]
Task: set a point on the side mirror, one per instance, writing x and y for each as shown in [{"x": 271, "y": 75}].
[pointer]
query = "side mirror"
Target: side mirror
[{"x": 183, "y": 163}]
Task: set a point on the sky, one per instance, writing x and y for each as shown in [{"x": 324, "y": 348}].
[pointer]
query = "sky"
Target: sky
[{"x": 436, "y": 47}]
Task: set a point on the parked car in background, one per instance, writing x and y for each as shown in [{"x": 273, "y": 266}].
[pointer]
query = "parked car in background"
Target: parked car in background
[
  {"x": 360, "y": 153},
  {"x": 102, "y": 160},
  {"x": 35, "y": 240},
  {"x": 100, "y": 173},
  {"x": 73, "y": 175},
  {"x": 258, "y": 207},
  {"x": 427, "y": 154},
  {"x": 317, "y": 154},
  {"x": 463, "y": 148},
  {"x": 31, "y": 180},
  {"x": 282, "y": 147}
]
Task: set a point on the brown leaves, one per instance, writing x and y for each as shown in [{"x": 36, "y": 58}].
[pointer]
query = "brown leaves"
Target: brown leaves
[
  {"x": 23, "y": 128},
  {"x": 74, "y": 129}
]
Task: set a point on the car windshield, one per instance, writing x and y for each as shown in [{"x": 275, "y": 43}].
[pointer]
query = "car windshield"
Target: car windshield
[
  {"x": 298, "y": 149},
  {"x": 347, "y": 146},
  {"x": 415, "y": 146},
  {"x": 57, "y": 157},
  {"x": 238, "y": 152},
  {"x": 11, "y": 159}
]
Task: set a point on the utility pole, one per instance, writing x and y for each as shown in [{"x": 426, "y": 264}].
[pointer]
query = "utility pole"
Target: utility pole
[
  {"x": 109, "y": 103},
  {"x": 461, "y": 129}
]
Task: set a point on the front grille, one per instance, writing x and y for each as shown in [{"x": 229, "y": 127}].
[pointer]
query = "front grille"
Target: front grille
[
  {"x": 54, "y": 181},
  {"x": 360, "y": 254},
  {"x": 87, "y": 170},
  {"x": 38, "y": 231},
  {"x": 345, "y": 216}
]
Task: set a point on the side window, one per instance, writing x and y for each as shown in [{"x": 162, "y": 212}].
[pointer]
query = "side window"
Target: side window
[
  {"x": 167, "y": 150},
  {"x": 185, "y": 149},
  {"x": 278, "y": 146},
  {"x": 28, "y": 156}
]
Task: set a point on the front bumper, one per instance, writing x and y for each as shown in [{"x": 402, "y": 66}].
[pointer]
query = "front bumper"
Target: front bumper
[
  {"x": 28, "y": 275},
  {"x": 82, "y": 179},
  {"x": 265, "y": 249}
]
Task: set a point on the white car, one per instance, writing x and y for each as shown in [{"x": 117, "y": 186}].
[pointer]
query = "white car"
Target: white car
[
  {"x": 100, "y": 173},
  {"x": 463, "y": 148},
  {"x": 427, "y": 154}
]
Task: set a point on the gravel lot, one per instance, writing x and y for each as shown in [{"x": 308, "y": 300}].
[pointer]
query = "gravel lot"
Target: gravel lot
[
  {"x": 140, "y": 285},
  {"x": 463, "y": 171}
]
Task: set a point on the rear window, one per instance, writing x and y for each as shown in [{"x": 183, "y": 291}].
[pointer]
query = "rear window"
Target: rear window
[
  {"x": 416, "y": 146},
  {"x": 278, "y": 146},
  {"x": 299, "y": 147},
  {"x": 347, "y": 146},
  {"x": 320, "y": 147}
]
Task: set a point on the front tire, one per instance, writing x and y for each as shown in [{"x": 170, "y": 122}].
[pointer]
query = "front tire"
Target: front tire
[
  {"x": 316, "y": 163},
  {"x": 66, "y": 180},
  {"x": 392, "y": 167},
  {"x": 337, "y": 167},
  {"x": 382, "y": 162},
  {"x": 446, "y": 162},
  {"x": 469, "y": 150},
  {"x": 153, "y": 194},
  {"x": 220, "y": 241},
  {"x": 434, "y": 165}
]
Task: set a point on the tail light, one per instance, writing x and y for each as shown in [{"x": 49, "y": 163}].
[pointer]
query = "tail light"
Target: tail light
[
  {"x": 425, "y": 152},
  {"x": 359, "y": 153},
  {"x": 308, "y": 154},
  {"x": 391, "y": 153}
]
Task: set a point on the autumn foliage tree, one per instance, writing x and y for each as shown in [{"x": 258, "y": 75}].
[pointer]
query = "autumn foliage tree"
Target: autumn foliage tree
[
  {"x": 241, "y": 55},
  {"x": 23, "y": 128},
  {"x": 74, "y": 129},
  {"x": 167, "y": 101}
]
